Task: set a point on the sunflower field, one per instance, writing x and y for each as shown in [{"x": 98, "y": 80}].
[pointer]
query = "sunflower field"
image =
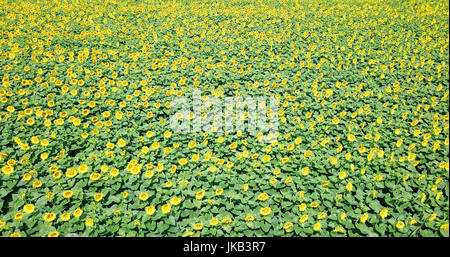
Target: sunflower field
[{"x": 362, "y": 88}]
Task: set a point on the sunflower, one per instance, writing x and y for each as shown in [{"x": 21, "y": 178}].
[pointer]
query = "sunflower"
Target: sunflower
[
  {"x": 265, "y": 211},
  {"x": 49, "y": 216},
  {"x": 121, "y": 143},
  {"x": 166, "y": 208}
]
